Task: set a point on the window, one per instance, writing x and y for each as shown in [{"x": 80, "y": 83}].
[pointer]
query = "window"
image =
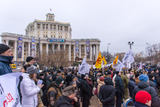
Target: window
[
  {"x": 50, "y": 26},
  {"x": 66, "y": 28},
  {"x": 61, "y": 28},
  {"x": 54, "y": 27},
  {"x": 46, "y": 26},
  {"x": 43, "y": 26},
  {"x": 38, "y": 26}
]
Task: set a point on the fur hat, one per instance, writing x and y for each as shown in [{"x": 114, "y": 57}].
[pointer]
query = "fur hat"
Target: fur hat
[{"x": 69, "y": 90}]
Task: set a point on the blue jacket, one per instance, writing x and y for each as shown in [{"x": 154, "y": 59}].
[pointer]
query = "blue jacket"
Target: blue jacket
[{"x": 4, "y": 64}]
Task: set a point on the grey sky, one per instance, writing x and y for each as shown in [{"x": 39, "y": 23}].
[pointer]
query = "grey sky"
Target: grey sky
[{"x": 112, "y": 21}]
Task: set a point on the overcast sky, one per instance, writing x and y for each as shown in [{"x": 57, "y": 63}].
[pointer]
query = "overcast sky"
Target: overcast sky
[{"x": 111, "y": 21}]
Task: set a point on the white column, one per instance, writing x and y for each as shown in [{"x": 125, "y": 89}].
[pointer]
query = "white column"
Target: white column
[
  {"x": 97, "y": 51},
  {"x": 22, "y": 51},
  {"x": 85, "y": 53},
  {"x": 53, "y": 48},
  {"x": 41, "y": 31},
  {"x": 74, "y": 52},
  {"x": 69, "y": 54},
  {"x": 47, "y": 48},
  {"x": 58, "y": 47},
  {"x": 7, "y": 42},
  {"x": 15, "y": 51},
  {"x": 93, "y": 53},
  {"x": 49, "y": 31},
  {"x": 80, "y": 51},
  {"x": 35, "y": 29},
  {"x": 29, "y": 48},
  {"x": 90, "y": 52}
]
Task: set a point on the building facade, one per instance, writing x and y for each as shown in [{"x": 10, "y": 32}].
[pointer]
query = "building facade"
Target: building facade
[{"x": 47, "y": 37}]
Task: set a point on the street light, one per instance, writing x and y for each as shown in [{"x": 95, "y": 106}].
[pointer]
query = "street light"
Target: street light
[
  {"x": 130, "y": 43},
  {"x": 150, "y": 51}
]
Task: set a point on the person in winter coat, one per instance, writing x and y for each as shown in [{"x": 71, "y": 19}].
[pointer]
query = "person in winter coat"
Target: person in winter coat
[
  {"x": 48, "y": 81},
  {"x": 143, "y": 99},
  {"x": 68, "y": 99},
  {"x": 53, "y": 94},
  {"x": 86, "y": 93},
  {"x": 151, "y": 81},
  {"x": 119, "y": 89},
  {"x": 143, "y": 85},
  {"x": 157, "y": 77},
  {"x": 131, "y": 86},
  {"x": 6, "y": 56},
  {"x": 29, "y": 89},
  {"x": 125, "y": 84},
  {"x": 107, "y": 93}
]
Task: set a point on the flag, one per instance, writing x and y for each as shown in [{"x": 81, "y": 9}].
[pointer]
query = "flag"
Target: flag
[
  {"x": 50, "y": 9},
  {"x": 118, "y": 66},
  {"x": 115, "y": 60},
  {"x": 140, "y": 65},
  {"x": 84, "y": 67},
  {"x": 99, "y": 61},
  {"x": 128, "y": 58},
  {"x": 104, "y": 62}
]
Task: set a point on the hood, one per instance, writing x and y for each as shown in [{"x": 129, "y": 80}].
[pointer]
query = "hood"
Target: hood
[
  {"x": 108, "y": 81},
  {"x": 63, "y": 100},
  {"x": 6, "y": 59},
  {"x": 143, "y": 85}
]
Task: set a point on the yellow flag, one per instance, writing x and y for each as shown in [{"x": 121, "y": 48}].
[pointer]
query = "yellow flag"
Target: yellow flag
[
  {"x": 104, "y": 61},
  {"x": 116, "y": 60},
  {"x": 99, "y": 61}
]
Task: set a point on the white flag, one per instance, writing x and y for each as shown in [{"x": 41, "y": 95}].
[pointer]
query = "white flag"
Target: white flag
[
  {"x": 128, "y": 58},
  {"x": 118, "y": 66},
  {"x": 84, "y": 67},
  {"x": 9, "y": 96}
]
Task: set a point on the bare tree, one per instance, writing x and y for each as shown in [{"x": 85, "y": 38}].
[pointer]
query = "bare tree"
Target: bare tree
[{"x": 58, "y": 58}]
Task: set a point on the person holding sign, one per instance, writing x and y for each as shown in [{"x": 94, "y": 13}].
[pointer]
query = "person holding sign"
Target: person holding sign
[
  {"x": 6, "y": 56},
  {"x": 29, "y": 89}
]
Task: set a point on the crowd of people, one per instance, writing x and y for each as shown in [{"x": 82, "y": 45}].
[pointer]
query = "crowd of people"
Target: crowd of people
[{"x": 59, "y": 87}]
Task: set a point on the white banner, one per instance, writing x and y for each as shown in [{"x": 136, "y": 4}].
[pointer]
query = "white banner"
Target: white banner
[
  {"x": 128, "y": 59},
  {"x": 84, "y": 67},
  {"x": 118, "y": 66},
  {"x": 9, "y": 96}
]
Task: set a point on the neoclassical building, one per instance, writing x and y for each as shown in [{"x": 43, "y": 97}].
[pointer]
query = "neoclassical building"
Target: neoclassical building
[{"x": 48, "y": 36}]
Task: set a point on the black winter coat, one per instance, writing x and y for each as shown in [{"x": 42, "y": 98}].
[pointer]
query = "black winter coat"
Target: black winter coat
[
  {"x": 145, "y": 87},
  {"x": 85, "y": 89},
  {"x": 152, "y": 84},
  {"x": 65, "y": 101},
  {"x": 107, "y": 93},
  {"x": 157, "y": 77},
  {"x": 119, "y": 85},
  {"x": 137, "y": 104},
  {"x": 131, "y": 87}
]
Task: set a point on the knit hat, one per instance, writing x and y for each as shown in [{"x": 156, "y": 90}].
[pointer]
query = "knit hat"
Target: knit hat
[
  {"x": 31, "y": 70},
  {"x": 101, "y": 78},
  {"x": 3, "y": 48},
  {"x": 59, "y": 80},
  {"x": 29, "y": 58},
  {"x": 69, "y": 90},
  {"x": 143, "y": 77},
  {"x": 143, "y": 97}
]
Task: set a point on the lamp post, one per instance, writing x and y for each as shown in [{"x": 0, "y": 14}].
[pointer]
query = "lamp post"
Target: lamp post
[
  {"x": 130, "y": 43},
  {"x": 151, "y": 52}
]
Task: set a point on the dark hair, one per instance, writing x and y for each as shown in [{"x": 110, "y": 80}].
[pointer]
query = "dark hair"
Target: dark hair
[{"x": 26, "y": 66}]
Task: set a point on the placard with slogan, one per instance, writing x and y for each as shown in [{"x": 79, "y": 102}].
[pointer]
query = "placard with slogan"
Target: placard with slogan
[{"x": 9, "y": 96}]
